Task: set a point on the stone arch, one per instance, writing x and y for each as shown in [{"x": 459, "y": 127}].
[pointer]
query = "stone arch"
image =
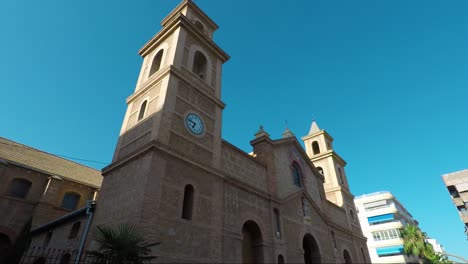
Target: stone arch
[
  {"x": 71, "y": 200},
  {"x": 347, "y": 257},
  {"x": 193, "y": 50},
  {"x": 315, "y": 147},
  {"x": 280, "y": 259},
  {"x": 19, "y": 188},
  {"x": 311, "y": 249},
  {"x": 156, "y": 62},
  {"x": 199, "y": 25},
  {"x": 149, "y": 59},
  {"x": 252, "y": 243}
]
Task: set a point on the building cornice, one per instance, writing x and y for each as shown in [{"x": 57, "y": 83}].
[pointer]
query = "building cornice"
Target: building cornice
[
  {"x": 190, "y": 3},
  {"x": 329, "y": 153},
  {"x": 182, "y": 21},
  {"x": 325, "y": 133},
  {"x": 173, "y": 70}
]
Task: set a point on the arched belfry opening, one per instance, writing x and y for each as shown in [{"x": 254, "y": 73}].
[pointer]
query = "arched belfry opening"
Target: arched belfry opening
[
  {"x": 311, "y": 250},
  {"x": 156, "y": 64},
  {"x": 252, "y": 243},
  {"x": 347, "y": 257},
  {"x": 200, "y": 65},
  {"x": 315, "y": 148}
]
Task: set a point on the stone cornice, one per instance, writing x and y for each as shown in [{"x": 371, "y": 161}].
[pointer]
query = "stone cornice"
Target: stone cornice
[
  {"x": 243, "y": 153},
  {"x": 157, "y": 146},
  {"x": 190, "y": 3},
  {"x": 172, "y": 70},
  {"x": 325, "y": 133},
  {"x": 340, "y": 189},
  {"x": 212, "y": 97},
  {"x": 302, "y": 192},
  {"x": 181, "y": 21},
  {"x": 158, "y": 76},
  {"x": 327, "y": 154}
]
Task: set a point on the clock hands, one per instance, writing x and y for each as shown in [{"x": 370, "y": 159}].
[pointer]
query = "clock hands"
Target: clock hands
[{"x": 192, "y": 123}]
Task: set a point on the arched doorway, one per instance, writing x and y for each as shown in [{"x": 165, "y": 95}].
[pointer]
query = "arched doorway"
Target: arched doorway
[
  {"x": 252, "y": 243},
  {"x": 347, "y": 257},
  {"x": 5, "y": 247},
  {"x": 311, "y": 250},
  {"x": 280, "y": 259}
]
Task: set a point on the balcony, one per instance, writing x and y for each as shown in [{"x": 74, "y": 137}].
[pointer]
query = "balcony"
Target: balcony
[
  {"x": 464, "y": 217},
  {"x": 458, "y": 201}
]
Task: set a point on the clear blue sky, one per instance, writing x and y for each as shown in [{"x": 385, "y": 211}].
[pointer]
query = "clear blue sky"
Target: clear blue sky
[{"x": 387, "y": 79}]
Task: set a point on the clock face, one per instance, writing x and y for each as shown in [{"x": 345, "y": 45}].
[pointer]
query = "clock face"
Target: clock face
[{"x": 194, "y": 124}]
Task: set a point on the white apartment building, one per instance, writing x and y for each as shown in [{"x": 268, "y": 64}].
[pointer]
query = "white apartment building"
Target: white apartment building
[{"x": 381, "y": 217}]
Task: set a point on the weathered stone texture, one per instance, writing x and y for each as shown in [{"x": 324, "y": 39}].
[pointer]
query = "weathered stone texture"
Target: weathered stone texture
[{"x": 242, "y": 167}]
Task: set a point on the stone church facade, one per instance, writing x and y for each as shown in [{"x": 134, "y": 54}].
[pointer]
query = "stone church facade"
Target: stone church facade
[{"x": 206, "y": 200}]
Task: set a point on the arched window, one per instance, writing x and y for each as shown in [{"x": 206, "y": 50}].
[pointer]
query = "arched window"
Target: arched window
[
  {"x": 351, "y": 214},
  {"x": 335, "y": 246},
  {"x": 156, "y": 64},
  {"x": 142, "y": 111},
  {"x": 280, "y": 259},
  {"x": 199, "y": 65},
  {"x": 277, "y": 223},
  {"x": 315, "y": 147},
  {"x": 347, "y": 257},
  {"x": 305, "y": 206},
  {"x": 297, "y": 175},
  {"x": 70, "y": 201},
  {"x": 252, "y": 243},
  {"x": 320, "y": 170},
  {"x": 19, "y": 188},
  {"x": 311, "y": 250},
  {"x": 188, "y": 202},
  {"x": 199, "y": 25},
  {"x": 340, "y": 174},
  {"x": 74, "y": 230}
]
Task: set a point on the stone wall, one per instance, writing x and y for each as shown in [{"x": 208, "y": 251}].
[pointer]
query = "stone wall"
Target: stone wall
[
  {"x": 242, "y": 167},
  {"x": 60, "y": 238},
  {"x": 39, "y": 205}
]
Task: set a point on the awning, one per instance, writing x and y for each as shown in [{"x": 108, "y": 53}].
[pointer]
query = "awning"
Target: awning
[
  {"x": 380, "y": 218},
  {"x": 395, "y": 250}
]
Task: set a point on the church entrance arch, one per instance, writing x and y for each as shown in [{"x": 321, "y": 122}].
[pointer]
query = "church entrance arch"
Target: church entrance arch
[
  {"x": 311, "y": 250},
  {"x": 252, "y": 243}
]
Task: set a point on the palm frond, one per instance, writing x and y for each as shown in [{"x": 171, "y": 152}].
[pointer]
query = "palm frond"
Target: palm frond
[{"x": 123, "y": 243}]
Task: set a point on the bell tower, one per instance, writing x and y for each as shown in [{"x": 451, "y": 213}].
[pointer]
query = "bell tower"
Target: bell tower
[
  {"x": 319, "y": 148},
  {"x": 176, "y": 104}
]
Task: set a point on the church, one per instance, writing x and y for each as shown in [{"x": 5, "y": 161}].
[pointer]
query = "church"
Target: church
[{"x": 203, "y": 198}]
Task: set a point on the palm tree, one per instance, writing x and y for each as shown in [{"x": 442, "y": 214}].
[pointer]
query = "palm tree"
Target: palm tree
[
  {"x": 415, "y": 242},
  {"x": 122, "y": 244}
]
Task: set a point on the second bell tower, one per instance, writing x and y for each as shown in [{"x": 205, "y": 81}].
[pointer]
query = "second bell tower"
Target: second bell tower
[
  {"x": 319, "y": 148},
  {"x": 176, "y": 102}
]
